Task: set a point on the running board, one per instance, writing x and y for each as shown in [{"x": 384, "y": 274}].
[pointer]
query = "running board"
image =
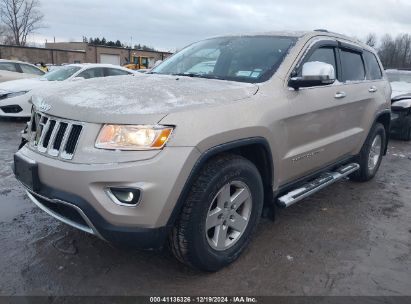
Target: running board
[{"x": 317, "y": 184}]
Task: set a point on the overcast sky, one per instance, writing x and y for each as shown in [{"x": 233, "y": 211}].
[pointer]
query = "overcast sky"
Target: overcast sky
[{"x": 173, "y": 24}]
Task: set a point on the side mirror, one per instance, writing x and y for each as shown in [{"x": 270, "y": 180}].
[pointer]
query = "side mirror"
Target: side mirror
[
  {"x": 78, "y": 78},
  {"x": 314, "y": 73}
]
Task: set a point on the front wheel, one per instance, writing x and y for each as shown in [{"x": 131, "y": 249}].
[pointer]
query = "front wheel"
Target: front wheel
[
  {"x": 371, "y": 154},
  {"x": 220, "y": 214}
]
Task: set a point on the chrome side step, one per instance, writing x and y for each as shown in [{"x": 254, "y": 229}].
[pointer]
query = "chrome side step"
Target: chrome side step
[{"x": 315, "y": 185}]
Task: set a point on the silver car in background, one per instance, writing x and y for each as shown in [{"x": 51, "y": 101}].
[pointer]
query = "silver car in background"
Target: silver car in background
[{"x": 13, "y": 70}]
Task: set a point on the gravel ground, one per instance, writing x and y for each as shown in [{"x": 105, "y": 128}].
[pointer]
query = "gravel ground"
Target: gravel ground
[{"x": 349, "y": 239}]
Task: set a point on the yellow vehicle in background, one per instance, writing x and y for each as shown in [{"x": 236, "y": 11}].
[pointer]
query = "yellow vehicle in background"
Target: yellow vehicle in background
[{"x": 138, "y": 62}]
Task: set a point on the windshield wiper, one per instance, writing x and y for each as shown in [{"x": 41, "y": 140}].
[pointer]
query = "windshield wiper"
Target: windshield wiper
[
  {"x": 198, "y": 75},
  {"x": 186, "y": 74}
]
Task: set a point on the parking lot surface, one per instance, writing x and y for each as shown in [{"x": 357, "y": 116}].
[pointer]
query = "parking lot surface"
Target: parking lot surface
[{"x": 349, "y": 239}]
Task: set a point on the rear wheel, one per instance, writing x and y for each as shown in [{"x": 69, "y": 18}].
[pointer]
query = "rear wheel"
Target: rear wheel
[
  {"x": 220, "y": 214},
  {"x": 371, "y": 154}
]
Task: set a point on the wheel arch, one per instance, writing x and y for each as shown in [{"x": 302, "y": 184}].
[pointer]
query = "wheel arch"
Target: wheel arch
[{"x": 255, "y": 149}]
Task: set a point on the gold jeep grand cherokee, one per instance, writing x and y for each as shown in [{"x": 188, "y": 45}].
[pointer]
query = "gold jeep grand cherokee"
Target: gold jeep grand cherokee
[{"x": 219, "y": 131}]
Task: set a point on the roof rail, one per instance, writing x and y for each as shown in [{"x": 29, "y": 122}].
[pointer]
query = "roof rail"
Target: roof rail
[{"x": 321, "y": 30}]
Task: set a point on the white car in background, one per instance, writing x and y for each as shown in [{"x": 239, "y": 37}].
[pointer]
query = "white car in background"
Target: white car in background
[
  {"x": 15, "y": 95},
  {"x": 13, "y": 70}
]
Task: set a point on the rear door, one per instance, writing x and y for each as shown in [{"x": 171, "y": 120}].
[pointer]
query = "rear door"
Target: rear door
[
  {"x": 324, "y": 125},
  {"x": 364, "y": 90},
  {"x": 379, "y": 89}
]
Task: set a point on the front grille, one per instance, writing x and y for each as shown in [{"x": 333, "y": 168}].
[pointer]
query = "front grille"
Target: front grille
[{"x": 54, "y": 136}]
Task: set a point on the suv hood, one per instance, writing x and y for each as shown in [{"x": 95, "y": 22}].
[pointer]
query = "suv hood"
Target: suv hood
[{"x": 143, "y": 100}]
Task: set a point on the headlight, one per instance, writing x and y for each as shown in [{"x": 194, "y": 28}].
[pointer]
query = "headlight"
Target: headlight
[
  {"x": 133, "y": 137},
  {"x": 15, "y": 94}
]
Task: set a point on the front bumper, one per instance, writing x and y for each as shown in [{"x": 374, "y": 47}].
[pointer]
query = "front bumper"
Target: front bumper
[
  {"x": 76, "y": 194},
  {"x": 73, "y": 215},
  {"x": 399, "y": 120}
]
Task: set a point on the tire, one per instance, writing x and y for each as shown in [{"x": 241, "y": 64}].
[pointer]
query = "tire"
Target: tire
[
  {"x": 201, "y": 248},
  {"x": 369, "y": 168}
]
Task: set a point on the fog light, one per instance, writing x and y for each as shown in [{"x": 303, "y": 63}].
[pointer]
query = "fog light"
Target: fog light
[{"x": 125, "y": 196}]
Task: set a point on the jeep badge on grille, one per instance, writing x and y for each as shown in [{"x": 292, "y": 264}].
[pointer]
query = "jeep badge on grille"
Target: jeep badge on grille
[{"x": 40, "y": 104}]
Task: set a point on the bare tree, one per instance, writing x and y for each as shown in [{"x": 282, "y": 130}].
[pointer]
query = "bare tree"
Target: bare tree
[
  {"x": 21, "y": 18},
  {"x": 371, "y": 40},
  {"x": 395, "y": 52}
]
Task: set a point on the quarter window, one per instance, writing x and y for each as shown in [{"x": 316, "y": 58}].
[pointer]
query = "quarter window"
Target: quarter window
[
  {"x": 373, "y": 68},
  {"x": 352, "y": 66}
]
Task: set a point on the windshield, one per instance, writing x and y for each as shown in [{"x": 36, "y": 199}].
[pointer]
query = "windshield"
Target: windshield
[
  {"x": 62, "y": 73},
  {"x": 399, "y": 76},
  {"x": 244, "y": 58}
]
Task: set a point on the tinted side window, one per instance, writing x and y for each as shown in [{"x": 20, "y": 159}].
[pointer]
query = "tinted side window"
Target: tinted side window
[
  {"x": 323, "y": 54},
  {"x": 373, "y": 68},
  {"x": 91, "y": 73},
  {"x": 30, "y": 70},
  {"x": 352, "y": 66},
  {"x": 116, "y": 72},
  {"x": 8, "y": 66}
]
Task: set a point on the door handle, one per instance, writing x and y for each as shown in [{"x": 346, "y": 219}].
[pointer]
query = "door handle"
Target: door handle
[
  {"x": 373, "y": 89},
  {"x": 340, "y": 95}
]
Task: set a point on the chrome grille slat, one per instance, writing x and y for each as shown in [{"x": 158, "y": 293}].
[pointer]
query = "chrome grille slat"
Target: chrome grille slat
[
  {"x": 49, "y": 133},
  {"x": 43, "y": 131},
  {"x": 64, "y": 142},
  {"x": 57, "y": 145},
  {"x": 32, "y": 123},
  {"x": 54, "y": 136}
]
